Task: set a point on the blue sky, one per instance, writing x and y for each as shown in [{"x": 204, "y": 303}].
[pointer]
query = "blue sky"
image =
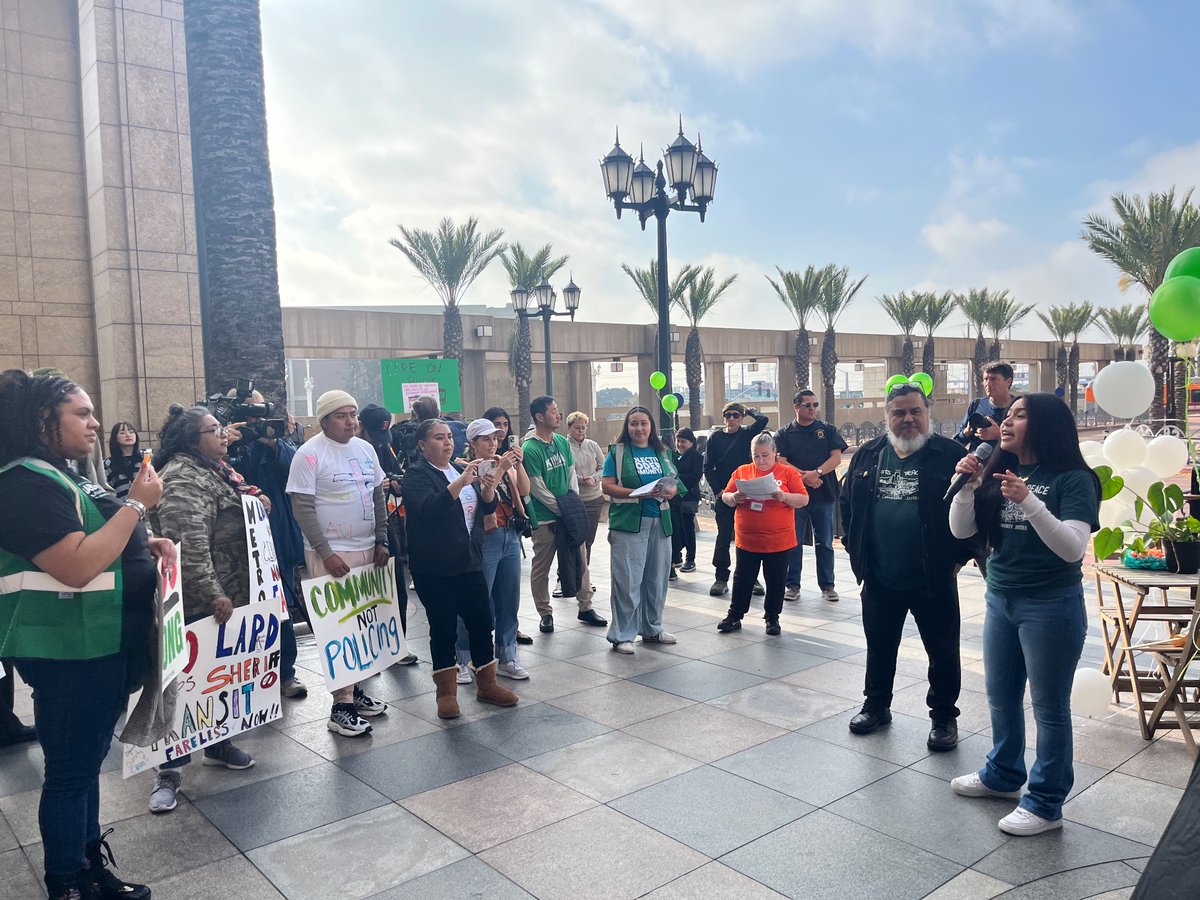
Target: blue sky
[{"x": 940, "y": 144}]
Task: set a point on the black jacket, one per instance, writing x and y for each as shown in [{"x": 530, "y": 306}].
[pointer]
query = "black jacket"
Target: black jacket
[
  {"x": 438, "y": 542},
  {"x": 690, "y": 467},
  {"x": 570, "y": 532},
  {"x": 725, "y": 452},
  {"x": 942, "y": 553}
]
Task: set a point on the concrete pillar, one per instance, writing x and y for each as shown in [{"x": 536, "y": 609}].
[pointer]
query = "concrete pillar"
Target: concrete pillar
[
  {"x": 580, "y": 390},
  {"x": 714, "y": 392},
  {"x": 647, "y": 396},
  {"x": 473, "y": 367}
]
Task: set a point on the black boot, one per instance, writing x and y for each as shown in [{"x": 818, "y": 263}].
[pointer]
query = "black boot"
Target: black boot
[{"x": 108, "y": 886}]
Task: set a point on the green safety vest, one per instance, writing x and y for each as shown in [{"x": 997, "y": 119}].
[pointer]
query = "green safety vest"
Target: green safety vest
[
  {"x": 42, "y": 618},
  {"x": 625, "y": 514}
]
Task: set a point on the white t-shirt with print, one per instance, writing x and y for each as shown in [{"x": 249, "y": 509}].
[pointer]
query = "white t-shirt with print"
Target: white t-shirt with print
[
  {"x": 467, "y": 497},
  {"x": 343, "y": 478}
]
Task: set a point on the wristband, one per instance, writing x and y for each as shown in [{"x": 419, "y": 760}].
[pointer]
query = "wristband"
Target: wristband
[{"x": 138, "y": 507}]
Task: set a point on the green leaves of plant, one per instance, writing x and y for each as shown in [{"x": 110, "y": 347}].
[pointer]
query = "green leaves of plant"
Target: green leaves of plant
[{"x": 1107, "y": 542}]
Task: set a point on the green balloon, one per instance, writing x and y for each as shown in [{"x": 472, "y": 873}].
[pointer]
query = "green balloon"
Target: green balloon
[
  {"x": 658, "y": 380},
  {"x": 1186, "y": 263},
  {"x": 1175, "y": 308},
  {"x": 924, "y": 381},
  {"x": 892, "y": 382},
  {"x": 670, "y": 403}
]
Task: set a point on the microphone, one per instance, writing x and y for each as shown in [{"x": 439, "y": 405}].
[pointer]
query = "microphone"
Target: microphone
[{"x": 981, "y": 453}]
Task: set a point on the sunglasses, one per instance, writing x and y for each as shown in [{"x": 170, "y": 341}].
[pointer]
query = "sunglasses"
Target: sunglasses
[
  {"x": 813, "y": 405},
  {"x": 733, "y": 415}
]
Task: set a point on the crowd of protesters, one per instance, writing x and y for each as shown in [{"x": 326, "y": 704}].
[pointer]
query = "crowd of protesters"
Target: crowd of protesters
[{"x": 452, "y": 503}]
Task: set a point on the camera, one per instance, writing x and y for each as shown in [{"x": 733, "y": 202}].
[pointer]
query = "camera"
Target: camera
[{"x": 237, "y": 408}]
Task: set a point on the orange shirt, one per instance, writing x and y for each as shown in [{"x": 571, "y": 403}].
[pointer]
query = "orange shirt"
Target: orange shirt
[{"x": 766, "y": 526}]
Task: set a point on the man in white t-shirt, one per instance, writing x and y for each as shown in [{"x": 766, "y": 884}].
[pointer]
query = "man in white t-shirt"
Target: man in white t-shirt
[{"x": 336, "y": 486}]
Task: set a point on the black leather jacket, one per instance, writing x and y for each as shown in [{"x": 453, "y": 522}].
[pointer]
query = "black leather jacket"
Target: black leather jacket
[{"x": 942, "y": 553}]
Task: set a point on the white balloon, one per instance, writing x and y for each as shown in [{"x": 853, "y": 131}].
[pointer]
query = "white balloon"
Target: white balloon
[
  {"x": 1097, "y": 459},
  {"x": 1091, "y": 693},
  {"x": 1166, "y": 455},
  {"x": 1125, "y": 449},
  {"x": 1115, "y": 511},
  {"x": 1124, "y": 389},
  {"x": 1088, "y": 448},
  {"x": 1137, "y": 481}
]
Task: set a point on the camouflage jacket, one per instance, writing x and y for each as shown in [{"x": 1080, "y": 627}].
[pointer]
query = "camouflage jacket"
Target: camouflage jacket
[{"x": 201, "y": 511}]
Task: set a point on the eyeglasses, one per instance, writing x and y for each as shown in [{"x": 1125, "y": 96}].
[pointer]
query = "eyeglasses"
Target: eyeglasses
[
  {"x": 813, "y": 405},
  {"x": 733, "y": 415},
  {"x": 218, "y": 430}
]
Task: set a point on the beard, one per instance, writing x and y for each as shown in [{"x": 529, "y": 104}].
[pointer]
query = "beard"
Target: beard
[{"x": 907, "y": 446}]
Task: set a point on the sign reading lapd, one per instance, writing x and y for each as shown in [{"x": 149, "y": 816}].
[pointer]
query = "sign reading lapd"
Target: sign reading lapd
[
  {"x": 229, "y": 685},
  {"x": 356, "y": 622},
  {"x": 265, "y": 583}
]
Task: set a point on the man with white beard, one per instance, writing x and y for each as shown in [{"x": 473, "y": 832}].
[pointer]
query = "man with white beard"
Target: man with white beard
[{"x": 902, "y": 552}]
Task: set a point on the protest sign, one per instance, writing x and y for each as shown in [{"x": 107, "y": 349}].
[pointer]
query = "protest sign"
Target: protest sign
[
  {"x": 229, "y": 685},
  {"x": 434, "y": 377},
  {"x": 410, "y": 391},
  {"x": 265, "y": 583},
  {"x": 356, "y": 622},
  {"x": 174, "y": 647}
]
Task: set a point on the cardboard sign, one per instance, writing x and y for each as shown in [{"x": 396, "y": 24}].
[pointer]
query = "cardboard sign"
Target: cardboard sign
[
  {"x": 229, "y": 685},
  {"x": 265, "y": 583},
  {"x": 356, "y": 622},
  {"x": 174, "y": 646},
  {"x": 434, "y": 377}
]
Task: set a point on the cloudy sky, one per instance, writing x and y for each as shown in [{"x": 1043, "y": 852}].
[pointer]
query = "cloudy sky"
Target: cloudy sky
[{"x": 929, "y": 144}]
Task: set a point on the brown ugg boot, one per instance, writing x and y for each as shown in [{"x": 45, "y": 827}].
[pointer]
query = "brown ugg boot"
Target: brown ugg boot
[
  {"x": 447, "y": 692},
  {"x": 487, "y": 691}
]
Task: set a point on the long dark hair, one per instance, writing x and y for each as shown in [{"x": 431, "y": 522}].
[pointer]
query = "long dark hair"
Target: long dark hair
[
  {"x": 30, "y": 406},
  {"x": 115, "y": 451},
  {"x": 654, "y": 439},
  {"x": 181, "y": 434}
]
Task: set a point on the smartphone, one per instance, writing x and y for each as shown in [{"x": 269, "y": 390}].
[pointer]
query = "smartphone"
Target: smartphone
[{"x": 487, "y": 467}]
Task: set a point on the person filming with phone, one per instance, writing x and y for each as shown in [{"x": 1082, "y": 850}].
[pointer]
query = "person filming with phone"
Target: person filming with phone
[{"x": 981, "y": 423}]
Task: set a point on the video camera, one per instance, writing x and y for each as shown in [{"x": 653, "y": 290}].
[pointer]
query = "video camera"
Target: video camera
[{"x": 228, "y": 409}]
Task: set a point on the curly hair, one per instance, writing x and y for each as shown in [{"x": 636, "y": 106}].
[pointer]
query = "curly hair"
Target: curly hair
[
  {"x": 180, "y": 434},
  {"x": 31, "y": 415}
]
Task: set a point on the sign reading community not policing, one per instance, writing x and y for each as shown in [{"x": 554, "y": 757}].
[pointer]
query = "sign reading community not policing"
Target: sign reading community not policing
[{"x": 356, "y": 622}]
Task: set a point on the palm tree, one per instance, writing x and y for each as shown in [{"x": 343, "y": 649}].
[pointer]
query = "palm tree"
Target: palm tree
[
  {"x": 1057, "y": 320},
  {"x": 1080, "y": 317},
  {"x": 1006, "y": 313},
  {"x": 837, "y": 292},
  {"x": 1146, "y": 235},
  {"x": 935, "y": 310},
  {"x": 235, "y": 204},
  {"x": 904, "y": 310},
  {"x": 1125, "y": 326},
  {"x": 799, "y": 293},
  {"x": 977, "y": 305},
  {"x": 646, "y": 281},
  {"x": 703, "y": 292},
  {"x": 450, "y": 259},
  {"x": 528, "y": 272}
]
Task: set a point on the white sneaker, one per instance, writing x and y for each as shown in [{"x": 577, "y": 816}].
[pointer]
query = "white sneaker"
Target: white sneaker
[
  {"x": 464, "y": 674},
  {"x": 663, "y": 637},
  {"x": 624, "y": 647},
  {"x": 345, "y": 720},
  {"x": 166, "y": 785},
  {"x": 1022, "y": 822},
  {"x": 972, "y": 786},
  {"x": 512, "y": 670},
  {"x": 792, "y": 593}
]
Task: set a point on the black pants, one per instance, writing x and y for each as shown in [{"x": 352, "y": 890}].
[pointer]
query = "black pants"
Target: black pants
[
  {"x": 448, "y": 598},
  {"x": 724, "y": 539},
  {"x": 395, "y": 529},
  {"x": 936, "y": 613},
  {"x": 683, "y": 535},
  {"x": 774, "y": 569}
]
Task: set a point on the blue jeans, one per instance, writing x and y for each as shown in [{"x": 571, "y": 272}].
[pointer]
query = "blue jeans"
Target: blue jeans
[
  {"x": 640, "y": 563},
  {"x": 76, "y": 704},
  {"x": 502, "y": 569},
  {"x": 1039, "y": 638},
  {"x": 821, "y": 517}
]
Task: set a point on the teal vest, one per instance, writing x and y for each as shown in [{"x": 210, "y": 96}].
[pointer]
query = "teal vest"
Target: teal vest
[
  {"x": 625, "y": 514},
  {"x": 42, "y": 618}
]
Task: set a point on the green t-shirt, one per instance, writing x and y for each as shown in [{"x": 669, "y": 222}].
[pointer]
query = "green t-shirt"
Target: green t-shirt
[
  {"x": 1020, "y": 562},
  {"x": 896, "y": 559},
  {"x": 552, "y": 464}
]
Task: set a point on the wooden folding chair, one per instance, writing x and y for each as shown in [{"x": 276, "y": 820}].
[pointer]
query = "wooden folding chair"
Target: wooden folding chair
[{"x": 1173, "y": 659}]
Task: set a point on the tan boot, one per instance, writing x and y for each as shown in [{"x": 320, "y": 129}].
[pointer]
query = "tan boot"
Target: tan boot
[
  {"x": 487, "y": 691},
  {"x": 447, "y": 692}
]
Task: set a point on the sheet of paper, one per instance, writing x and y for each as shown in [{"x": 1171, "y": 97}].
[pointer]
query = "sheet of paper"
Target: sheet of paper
[
  {"x": 667, "y": 481},
  {"x": 762, "y": 488}
]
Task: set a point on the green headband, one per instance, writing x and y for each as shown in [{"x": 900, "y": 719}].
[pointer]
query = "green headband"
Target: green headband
[{"x": 918, "y": 380}]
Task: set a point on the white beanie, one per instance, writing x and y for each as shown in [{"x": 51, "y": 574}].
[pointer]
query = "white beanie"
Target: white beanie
[{"x": 331, "y": 401}]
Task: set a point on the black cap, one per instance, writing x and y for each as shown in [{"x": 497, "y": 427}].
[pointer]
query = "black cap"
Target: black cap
[{"x": 374, "y": 418}]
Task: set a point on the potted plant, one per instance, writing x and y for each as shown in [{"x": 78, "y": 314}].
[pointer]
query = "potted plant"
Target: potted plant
[{"x": 1177, "y": 533}]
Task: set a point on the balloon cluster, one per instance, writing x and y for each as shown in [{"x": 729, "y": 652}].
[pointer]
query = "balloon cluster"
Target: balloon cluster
[
  {"x": 1139, "y": 462},
  {"x": 671, "y": 402},
  {"x": 1175, "y": 306}
]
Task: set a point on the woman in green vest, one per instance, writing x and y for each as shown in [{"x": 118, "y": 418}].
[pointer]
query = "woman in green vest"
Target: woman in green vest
[
  {"x": 77, "y": 582},
  {"x": 639, "y": 531}
]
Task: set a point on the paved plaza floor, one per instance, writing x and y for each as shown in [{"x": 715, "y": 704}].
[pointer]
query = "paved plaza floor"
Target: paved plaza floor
[{"x": 719, "y": 767}]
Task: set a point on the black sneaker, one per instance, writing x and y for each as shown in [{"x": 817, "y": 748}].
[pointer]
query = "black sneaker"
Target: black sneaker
[
  {"x": 728, "y": 624},
  {"x": 674, "y": 576},
  {"x": 104, "y": 883},
  {"x": 688, "y": 566},
  {"x": 772, "y": 626}
]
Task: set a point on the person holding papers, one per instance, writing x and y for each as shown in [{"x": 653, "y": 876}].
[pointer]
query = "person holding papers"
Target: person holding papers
[
  {"x": 764, "y": 494},
  {"x": 639, "y": 478},
  {"x": 76, "y": 605}
]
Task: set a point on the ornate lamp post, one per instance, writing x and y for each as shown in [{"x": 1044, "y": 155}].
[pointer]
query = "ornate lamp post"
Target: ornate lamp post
[
  {"x": 539, "y": 303},
  {"x": 638, "y": 187}
]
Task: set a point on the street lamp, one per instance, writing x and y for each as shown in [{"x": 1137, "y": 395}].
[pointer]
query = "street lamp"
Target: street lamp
[
  {"x": 644, "y": 190},
  {"x": 539, "y": 303}
]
